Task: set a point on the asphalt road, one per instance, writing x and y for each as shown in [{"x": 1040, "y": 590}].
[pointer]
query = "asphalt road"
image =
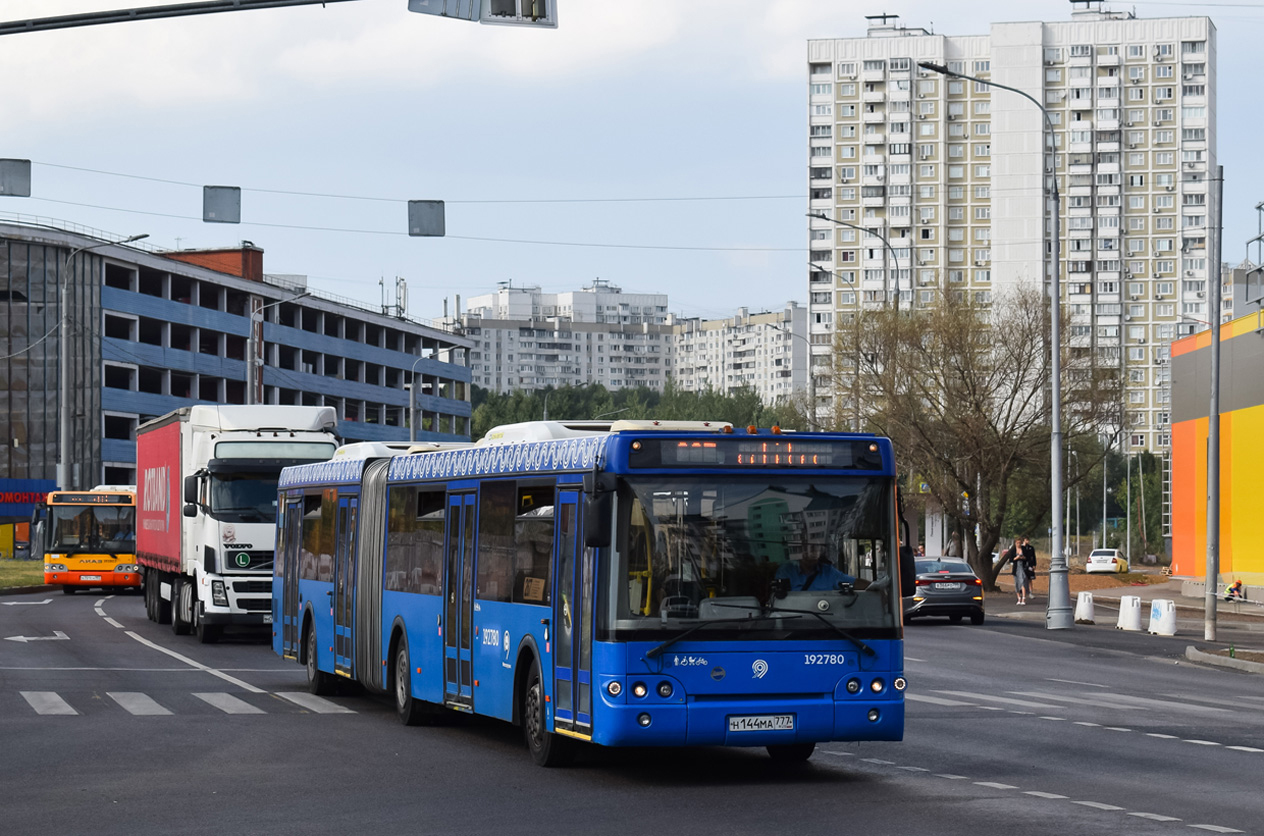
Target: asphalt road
[{"x": 122, "y": 727}]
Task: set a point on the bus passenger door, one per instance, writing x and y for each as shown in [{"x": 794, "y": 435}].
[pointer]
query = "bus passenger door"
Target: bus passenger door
[
  {"x": 344, "y": 584},
  {"x": 573, "y": 617},
  {"x": 290, "y": 567},
  {"x": 458, "y": 590}
]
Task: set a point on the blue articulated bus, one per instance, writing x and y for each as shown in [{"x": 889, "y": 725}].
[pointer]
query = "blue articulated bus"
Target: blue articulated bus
[{"x": 629, "y": 584}]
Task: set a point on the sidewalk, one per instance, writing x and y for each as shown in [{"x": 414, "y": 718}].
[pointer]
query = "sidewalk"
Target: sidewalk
[{"x": 1190, "y": 614}]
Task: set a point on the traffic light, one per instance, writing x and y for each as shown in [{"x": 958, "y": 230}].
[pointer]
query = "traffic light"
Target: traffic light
[{"x": 504, "y": 12}]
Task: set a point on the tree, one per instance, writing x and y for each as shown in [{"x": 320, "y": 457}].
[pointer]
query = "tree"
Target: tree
[{"x": 961, "y": 390}]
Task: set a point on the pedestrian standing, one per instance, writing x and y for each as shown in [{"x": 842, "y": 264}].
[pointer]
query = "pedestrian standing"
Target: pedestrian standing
[
  {"x": 1029, "y": 559},
  {"x": 1017, "y": 568}
]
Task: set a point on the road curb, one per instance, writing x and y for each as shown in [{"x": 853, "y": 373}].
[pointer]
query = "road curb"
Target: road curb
[
  {"x": 1195, "y": 655},
  {"x": 27, "y": 590}
]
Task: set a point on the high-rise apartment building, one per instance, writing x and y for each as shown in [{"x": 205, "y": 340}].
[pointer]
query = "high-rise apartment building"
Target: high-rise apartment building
[
  {"x": 524, "y": 338},
  {"x": 764, "y": 352},
  {"x": 953, "y": 173}
]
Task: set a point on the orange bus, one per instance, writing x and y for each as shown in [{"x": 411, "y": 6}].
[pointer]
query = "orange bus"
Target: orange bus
[{"x": 89, "y": 538}]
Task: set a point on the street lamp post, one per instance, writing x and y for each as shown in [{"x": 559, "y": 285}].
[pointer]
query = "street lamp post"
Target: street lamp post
[
  {"x": 254, "y": 348},
  {"x": 1058, "y": 612},
  {"x": 412, "y": 400},
  {"x": 63, "y": 415}
]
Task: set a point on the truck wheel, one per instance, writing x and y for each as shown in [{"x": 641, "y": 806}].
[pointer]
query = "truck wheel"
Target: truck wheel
[
  {"x": 411, "y": 711},
  {"x": 318, "y": 682},
  {"x": 181, "y": 608},
  {"x": 547, "y": 748},
  {"x": 162, "y": 609},
  {"x": 68, "y": 590}
]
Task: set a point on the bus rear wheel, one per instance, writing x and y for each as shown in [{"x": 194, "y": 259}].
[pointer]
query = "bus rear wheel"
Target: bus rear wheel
[
  {"x": 547, "y": 748},
  {"x": 411, "y": 711},
  {"x": 791, "y": 752},
  {"x": 69, "y": 590},
  {"x": 318, "y": 682}
]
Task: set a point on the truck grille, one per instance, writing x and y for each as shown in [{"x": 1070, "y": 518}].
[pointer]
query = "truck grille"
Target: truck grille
[
  {"x": 253, "y": 587},
  {"x": 255, "y": 604}
]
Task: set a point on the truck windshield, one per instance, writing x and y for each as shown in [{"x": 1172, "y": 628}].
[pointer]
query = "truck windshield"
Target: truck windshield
[
  {"x": 244, "y": 497},
  {"x": 102, "y": 529},
  {"x": 696, "y": 549}
]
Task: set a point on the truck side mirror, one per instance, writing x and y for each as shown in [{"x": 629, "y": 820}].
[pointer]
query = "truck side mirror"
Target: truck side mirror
[{"x": 190, "y": 490}]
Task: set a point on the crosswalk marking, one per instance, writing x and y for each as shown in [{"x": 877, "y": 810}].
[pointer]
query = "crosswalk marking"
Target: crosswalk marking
[
  {"x": 133, "y": 702},
  {"x": 229, "y": 704},
  {"x": 933, "y": 700},
  {"x": 47, "y": 702},
  {"x": 311, "y": 702},
  {"x": 1004, "y": 700},
  {"x": 1153, "y": 817}
]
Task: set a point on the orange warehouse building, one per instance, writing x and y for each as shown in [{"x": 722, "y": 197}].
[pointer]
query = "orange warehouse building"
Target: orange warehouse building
[{"x": 1241, "y": 451}]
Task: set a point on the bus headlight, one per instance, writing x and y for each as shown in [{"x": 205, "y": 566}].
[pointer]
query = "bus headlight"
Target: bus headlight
[
  {"x": 664, "y": 689},
  {"x": 54, "y": 567},
  {"x": 218, "y": 595},
  {"x": 877, "y": 685},
  {"x": 127, "y": 567},
  {"x": 900, "y": 683},
  {"x": 853, "y": 686},
  {"x": 615, "y": 688}
]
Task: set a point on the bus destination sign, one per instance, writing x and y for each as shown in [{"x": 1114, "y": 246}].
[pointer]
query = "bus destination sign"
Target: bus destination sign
[
  {"x": 89, "y": 499},
  {"x": 762, "y": 452}
]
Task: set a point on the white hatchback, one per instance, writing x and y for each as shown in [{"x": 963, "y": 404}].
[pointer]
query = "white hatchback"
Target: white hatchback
[{"x": 1106, "y": 560}]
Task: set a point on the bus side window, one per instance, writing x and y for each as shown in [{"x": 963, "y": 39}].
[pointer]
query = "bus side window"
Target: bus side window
[
  {"x": 311, "y": 537},
  {"x": 496, "y": 541},
  {"x": 533, "y": 538}
]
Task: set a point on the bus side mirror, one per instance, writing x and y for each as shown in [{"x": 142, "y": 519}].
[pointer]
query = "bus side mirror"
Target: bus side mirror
[
  {"x": 908, "y": 572},
  {"x": 599, "y": 491},
  {"x": 597, "y": 508}
]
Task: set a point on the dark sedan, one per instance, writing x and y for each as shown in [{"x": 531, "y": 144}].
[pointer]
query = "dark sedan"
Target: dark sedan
[{"x": 946, "y": 587}]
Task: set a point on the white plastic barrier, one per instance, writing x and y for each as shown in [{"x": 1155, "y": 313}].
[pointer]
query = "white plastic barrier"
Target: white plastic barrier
[
  {"x": 1084, "y": 608},
  {"x": 1162, "y": 617},
  {"x": 1129, "y": 613}
]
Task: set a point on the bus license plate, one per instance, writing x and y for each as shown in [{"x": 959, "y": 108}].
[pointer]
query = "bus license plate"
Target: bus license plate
[
  {"x": 89, "y": 577},
  {"x": 762, "y": 722}
]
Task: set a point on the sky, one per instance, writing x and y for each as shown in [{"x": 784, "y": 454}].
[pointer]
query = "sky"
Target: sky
[{"x": 658, "y": 145}]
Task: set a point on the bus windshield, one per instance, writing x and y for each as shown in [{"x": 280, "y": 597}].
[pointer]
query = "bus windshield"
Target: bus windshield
[
  {"x": 102, "y": 529},
  {"x": 818, "y": 550}
]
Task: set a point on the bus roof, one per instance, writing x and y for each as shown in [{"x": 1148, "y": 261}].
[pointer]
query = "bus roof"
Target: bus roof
[{"x": 551, "y": 430}]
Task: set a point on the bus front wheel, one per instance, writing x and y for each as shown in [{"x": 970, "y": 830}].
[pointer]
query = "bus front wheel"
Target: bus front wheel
[{"x": 547, "y": 748}]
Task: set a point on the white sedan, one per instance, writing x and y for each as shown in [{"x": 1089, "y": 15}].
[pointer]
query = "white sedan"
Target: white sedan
[{"x": 1106, "y": 560}]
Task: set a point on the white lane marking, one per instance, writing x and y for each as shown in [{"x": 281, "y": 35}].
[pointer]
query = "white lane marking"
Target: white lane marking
[
  {"x": 1074, "y": 682},
  {"x": 1086, "y": 723},
  {"x": 57, "y": 636},
  {"x": 912, "y": 769},
  {"x": 100, "y": 611},
  {"x": 1244, "y": 749},
  {"x": 1115, "y": 728},
  {"x": 1154, "y": 817},
  {"x": 134, "y": 702},
  {"x": 990, "y": 708},
  {"x": 906, "y": 658},
  {"x": 109, "y": 620},
  {"x": 839, "y": 754},
  {"x": 47, "y": 702},
  {"x": 1202, "y": 742},
  {"x": 27, "y": 603},
  {"x": 1052, "y": 718},
  {"x": 1230, "y": 702},
  {"x": 1215, "y": 828},
  {"x": 866, "y": 760},
  {"x": 995, "y": 785},
  {"x": 1093, "y": 701},
  {"x": 234, "y": 680},
  {"x": 99, "y": 602},
  {"x": 1161, "y": 736},
  {"x": 321, "y": 705},
  {"x": 1038, "y": 794},
  {"x": 1097, "y": 805},
  {"x": 933, "y": 700},
  {"x": 229, "y": 704},
  {"x": 951, "y": 777},
  {"x": 1003, "y": 700}
]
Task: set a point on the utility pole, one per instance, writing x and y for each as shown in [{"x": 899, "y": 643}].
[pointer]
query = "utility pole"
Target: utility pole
[{"x": 1213, "y": 426}]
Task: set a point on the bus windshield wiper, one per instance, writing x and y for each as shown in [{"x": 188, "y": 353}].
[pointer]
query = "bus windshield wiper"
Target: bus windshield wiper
[
  {"x": 868, "y": 651},
  {"x": 657, "y": 650}
]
